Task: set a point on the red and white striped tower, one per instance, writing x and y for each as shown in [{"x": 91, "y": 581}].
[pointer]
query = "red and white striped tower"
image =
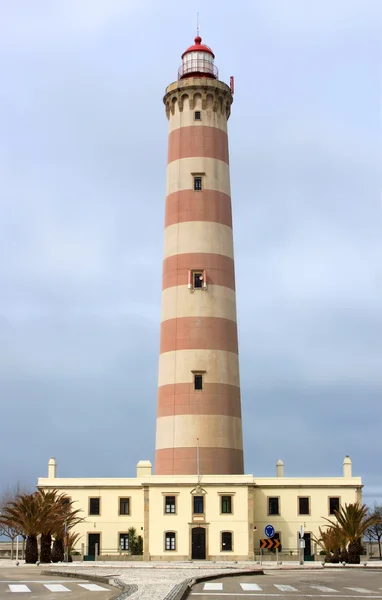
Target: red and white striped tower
[{"x": 199, "y": 412}]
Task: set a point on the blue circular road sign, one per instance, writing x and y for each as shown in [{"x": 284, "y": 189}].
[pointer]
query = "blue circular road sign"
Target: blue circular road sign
[{"x": 269, "y": 531}]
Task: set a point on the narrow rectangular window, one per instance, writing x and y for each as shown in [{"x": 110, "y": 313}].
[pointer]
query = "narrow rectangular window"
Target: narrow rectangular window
[
  {"x": 334, "y": 505},
  {"x": 198, "y": 115},
  {"x": 226, "y": 541},
  {"x": 198, "y": 505},
  {"x": 198, "y": 279},
  {"x": 273, "y": 506},
  {"x": 226, "y": 504},
  {"x": 303, "y": 506},
  {"x": 94, "y": 504},
  {"x": 124, "y": 541},
  {"x": 124, "y": 506},
  {"x": 198, "y": 381},
  {"x": 197, "y": 184},
  {"x": 170, "y": 504},
  {"x": 170, "y": 540}
]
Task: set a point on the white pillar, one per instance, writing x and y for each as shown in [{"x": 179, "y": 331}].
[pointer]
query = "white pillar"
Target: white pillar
[
  {"x": 347, "y": 466},
  {"x": 52, "y": 468}
]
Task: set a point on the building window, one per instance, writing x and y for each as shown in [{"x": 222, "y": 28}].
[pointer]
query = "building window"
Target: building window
[
  {"x": 197, "y": 184},
  {"x": 170, "y": 504},
  {"x": 334, "y": 505},
  {"x": 273, "y": 506},
  {"x": 94, "y": 505},
  {"x": 198, "y": 505},
  {"x": 198, "y": 115},
  {"x": 124, "y": 506},
  {"x": 226, "y": 541},
  {"x": 197, "y": 279},
  {"x": 170, "y": 540},
  {"x": 198, "y": 381},
  {"x": 124, "y": 541},
  {"x": 226, "y": 504},
  {"x": 303, "y": 506}
]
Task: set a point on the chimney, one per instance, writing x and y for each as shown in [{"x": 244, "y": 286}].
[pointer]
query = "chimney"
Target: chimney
[
  {"x": 144, "y": 468},
  {"x": 279, "y": 468},
  {"x": 347, "y": 467},
  {"x": 52, "y": 468}
]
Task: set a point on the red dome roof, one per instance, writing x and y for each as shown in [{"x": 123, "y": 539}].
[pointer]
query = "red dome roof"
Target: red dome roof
[{"x": 199, "y": 47}]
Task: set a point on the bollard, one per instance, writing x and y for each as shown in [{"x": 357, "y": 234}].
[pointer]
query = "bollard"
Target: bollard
[
  {"x": 82, "y": 552},
  {"x": 95, "y": 552}
]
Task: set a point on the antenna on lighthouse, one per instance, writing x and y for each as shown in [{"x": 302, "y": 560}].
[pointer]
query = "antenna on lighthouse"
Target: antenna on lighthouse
[{"x": 197, "y": 24}]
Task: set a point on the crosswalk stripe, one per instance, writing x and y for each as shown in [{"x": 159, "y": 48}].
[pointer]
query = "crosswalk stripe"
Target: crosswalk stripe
[
  {"x": 285, "y": 588},
  {"x": 213, "y": 586},
  {"x": 360, "y": 590},
  {"x": 56, "y": 587},
  {"x": 92, "y": 587},
  {"x": 19, "y": 588},
  {"x": 250, "y": 587},
  {"x": 322, "y": 588}
]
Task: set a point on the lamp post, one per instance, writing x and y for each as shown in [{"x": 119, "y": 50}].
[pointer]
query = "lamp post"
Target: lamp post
[{"x": 65, "y": 542}]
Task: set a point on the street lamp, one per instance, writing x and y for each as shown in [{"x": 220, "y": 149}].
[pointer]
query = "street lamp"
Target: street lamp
[{"x": 66, "y": 548}]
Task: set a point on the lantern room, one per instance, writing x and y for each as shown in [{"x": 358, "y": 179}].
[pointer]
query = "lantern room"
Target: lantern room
[{"x": 198, "y": 61}]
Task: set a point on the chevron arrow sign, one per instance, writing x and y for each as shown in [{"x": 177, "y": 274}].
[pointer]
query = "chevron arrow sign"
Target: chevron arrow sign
[{"x": 269, "y": 544}]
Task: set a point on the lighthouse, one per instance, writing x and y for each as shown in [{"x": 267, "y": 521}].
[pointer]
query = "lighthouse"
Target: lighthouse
[{"x": 199, "y": 426}]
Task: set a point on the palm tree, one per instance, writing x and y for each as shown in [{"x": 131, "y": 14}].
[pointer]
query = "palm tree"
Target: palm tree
[
  {"x": 51, "y": 508},
  {"x": 68, "y": 519},
  {"x": 24, "y": 514},
  {"x": 331, "y": 541},
  {"x": 353, "y": 520},
  {"x": 72, "y": 540}
]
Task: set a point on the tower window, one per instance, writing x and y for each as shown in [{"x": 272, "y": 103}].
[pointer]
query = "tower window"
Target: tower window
[
  {"x": 198, "y": 505},
  {"x": 198, "y": 184},
  {"x": 198, "y": 280},
  {"x": 198, "y": 115},
  {"x": 198, "y": 381}
]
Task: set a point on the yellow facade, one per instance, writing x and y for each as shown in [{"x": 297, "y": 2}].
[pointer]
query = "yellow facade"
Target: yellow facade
[{"x": 234, "y": 511}]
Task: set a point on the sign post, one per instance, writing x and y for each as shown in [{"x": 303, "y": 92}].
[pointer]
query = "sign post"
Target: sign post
[{"x": 301, "y": 544}]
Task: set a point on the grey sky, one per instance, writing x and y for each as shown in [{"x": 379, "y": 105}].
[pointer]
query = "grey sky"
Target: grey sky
[{"x": 83, "y": 143}]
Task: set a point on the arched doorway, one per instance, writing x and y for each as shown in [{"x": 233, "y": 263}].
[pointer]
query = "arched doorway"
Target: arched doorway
[{"x": 198, "y": 543}]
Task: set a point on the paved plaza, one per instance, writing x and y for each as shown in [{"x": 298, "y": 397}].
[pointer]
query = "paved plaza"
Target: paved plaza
[{"x": 157, "y": 581}]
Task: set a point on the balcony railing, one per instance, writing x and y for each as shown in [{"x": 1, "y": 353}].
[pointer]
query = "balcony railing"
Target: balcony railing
[{"x": 196, "y": 67}]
